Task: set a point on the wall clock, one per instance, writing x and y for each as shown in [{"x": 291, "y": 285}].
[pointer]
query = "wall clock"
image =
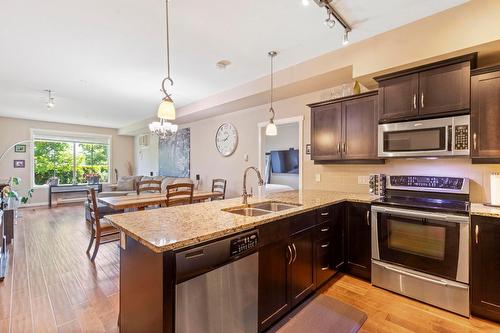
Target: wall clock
[{"x": 226, "y": 139}]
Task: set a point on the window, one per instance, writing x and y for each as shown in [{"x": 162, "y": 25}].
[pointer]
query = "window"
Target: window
[{"x": 70, "y": 158}]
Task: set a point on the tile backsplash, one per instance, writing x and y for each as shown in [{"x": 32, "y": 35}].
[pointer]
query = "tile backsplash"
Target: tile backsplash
[{"x": 349, "y": 178}]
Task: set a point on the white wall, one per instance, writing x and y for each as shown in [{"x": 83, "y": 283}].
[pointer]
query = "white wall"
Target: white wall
[{"x": 15, "y": 130}]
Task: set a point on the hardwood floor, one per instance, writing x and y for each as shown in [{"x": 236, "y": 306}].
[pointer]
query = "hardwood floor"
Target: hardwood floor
[{"x": 53, "y": 287}]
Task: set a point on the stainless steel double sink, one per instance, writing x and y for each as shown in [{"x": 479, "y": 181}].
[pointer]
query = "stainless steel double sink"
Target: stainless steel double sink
[{"x": 262, "y": 208}]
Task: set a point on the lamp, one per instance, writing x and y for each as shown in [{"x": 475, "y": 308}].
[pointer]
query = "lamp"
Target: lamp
[
  {"x": 271, "y": 129},
  {"x": 50, "y": 99},
  {"x": 166, "y": 109}
]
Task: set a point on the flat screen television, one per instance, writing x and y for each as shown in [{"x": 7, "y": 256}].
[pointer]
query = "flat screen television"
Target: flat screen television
[{"x": 285, "y": 161}]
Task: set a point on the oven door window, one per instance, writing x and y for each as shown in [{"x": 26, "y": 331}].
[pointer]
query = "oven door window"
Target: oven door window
[
  {"x": 426, "y": 245},
  {"x": 425, "y": 139}
]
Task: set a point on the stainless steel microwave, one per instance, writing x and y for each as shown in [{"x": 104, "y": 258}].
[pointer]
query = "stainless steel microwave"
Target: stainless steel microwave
[{"x": 448, "y": 136}]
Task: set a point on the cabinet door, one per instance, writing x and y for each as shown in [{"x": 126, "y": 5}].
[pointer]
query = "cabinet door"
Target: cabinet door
[
  {"x": 398, "y": 97},
  {"x": 359, "y": 240},
  {"x": 302, "y": 267},
  {"x": 273, "y": 282},
  {"x": 485, "y": 115},
  {"x": 444, "y": 89},
  {"x": 485, "y": 275},
  {"x": 360, "y": 128},
  {"x": 326, "y": 132}
]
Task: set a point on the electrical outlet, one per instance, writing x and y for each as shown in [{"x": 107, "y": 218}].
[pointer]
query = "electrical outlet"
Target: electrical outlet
[
  {"x": 318, "y": 177},
  {"x": 363, "y": 180}
]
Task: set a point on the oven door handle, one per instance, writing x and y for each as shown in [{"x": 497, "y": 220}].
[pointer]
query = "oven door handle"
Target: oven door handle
[{"x": 423, "y": 215}]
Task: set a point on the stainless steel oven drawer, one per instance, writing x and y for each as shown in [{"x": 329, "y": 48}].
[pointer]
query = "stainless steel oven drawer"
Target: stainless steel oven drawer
[{"x": 446, "y": 294}]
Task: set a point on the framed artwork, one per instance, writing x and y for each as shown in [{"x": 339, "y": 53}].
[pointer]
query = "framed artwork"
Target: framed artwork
[
  {"x": 20, "y": 148},
  {"x": 308, "y": 149},
  {"x": 174, "y": 154},
  {"x": 19, "y": 163}
]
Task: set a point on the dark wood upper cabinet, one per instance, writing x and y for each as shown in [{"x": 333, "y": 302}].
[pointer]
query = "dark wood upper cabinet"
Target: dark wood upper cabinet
[
  {"x": 440, "y": 88},
  {"x": 326, "y": 138},
  {"x": 302, "y": 266},
  {"x": 358, "y": 240},
  {"x": 485, "y": 116},
  {"x": 444, "y": 89},
  {"x": 485, "y": 269},
  {"x": 274, "y": 299},
  {"x": 345, "y": 130},
  {"x": 398, "y": 97},
  {"x": 360, "y": 128}
]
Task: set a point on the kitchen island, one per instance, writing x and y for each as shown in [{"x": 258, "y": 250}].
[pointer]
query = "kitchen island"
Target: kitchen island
[{"x": 150, "y": 240}]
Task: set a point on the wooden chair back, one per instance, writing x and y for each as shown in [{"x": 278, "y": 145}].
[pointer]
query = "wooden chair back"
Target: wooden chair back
[
  {"x": 149, "y": 185},
  {"x": 94, "y": 211},
  {"x": 175, "y": 191},
  {"x": 219, "y": 185}
]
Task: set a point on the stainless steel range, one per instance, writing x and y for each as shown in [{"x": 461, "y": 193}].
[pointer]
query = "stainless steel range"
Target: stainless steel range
[{"x": 420, "y": 240}]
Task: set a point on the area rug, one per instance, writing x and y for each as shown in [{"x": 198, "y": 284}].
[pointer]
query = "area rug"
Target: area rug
[{"x": 321, "y": 315}]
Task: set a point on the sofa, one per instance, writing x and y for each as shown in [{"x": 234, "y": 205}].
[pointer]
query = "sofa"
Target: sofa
[{"x": 127, "y": 185}]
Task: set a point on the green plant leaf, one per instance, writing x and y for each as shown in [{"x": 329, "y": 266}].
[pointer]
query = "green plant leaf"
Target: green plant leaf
[{"x": 16, "y": 181}]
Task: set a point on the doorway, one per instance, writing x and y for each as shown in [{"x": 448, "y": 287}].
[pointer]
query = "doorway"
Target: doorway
[{"x": 280, "y": 156}]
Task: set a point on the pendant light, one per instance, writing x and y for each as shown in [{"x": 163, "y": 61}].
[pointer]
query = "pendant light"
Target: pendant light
[
  {"x": 166, "y": 109},
  {"x": 50, "y": 100},
  {"x": 271, "y": 129}
]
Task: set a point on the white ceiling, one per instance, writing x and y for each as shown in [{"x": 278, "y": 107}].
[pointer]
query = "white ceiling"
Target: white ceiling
[{"x": 105, "y": 59}]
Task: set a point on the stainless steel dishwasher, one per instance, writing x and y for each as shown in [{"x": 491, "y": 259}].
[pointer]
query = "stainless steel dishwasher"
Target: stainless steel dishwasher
[{"x": 217, "y": 286}]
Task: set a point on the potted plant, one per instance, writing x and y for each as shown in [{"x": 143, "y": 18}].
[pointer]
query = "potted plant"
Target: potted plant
[{"x": 13, "y": 197}]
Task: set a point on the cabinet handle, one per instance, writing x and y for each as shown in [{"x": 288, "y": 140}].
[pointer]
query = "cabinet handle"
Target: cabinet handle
[
  {"x": 325, "y": 214},
  {"x": 338, "y": 148},
  {"x": 368, "y": 217},
  {"x": 325, "y": 245},
  {"x": 325, "y": 229},
  {"x": 291, "y": 255},
  {"x": 344, "y": 147},
  {"x": 295, "y": 253},
  {"x": 475, "y": 141},
  {"x": 422, "y": 100},
  {"x": 476, "y": 231},
  {"x": 325, "y": 268},
  {"x": 414, "y": 101}
]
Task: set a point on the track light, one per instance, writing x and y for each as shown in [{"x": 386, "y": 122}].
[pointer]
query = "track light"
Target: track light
[
  {"x": 330, "y": 21},
  {"x": 345, "y": 38}
]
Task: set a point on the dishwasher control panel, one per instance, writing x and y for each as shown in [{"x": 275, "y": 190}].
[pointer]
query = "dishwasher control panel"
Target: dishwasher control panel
[{"x": 244, "y": 243}]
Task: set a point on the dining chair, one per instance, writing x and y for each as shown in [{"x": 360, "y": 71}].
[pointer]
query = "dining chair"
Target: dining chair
[
  {"x": 183, "y": 190},
  {"x": 219, "y": 185},
  {"x": 100, "y": 230},
  {"x": 150, "y": 186}
]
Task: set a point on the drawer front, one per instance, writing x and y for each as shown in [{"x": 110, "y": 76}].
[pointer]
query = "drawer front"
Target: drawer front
[
  {"x": 302, "y": 222},
  {"x": 324, "y": 231},
  {"x": 273, "y": 232},
  {"x": 324, "y": 214},
  {"x": 324, "y": 266}
]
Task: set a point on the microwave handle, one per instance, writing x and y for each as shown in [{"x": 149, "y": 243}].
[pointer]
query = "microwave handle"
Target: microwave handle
[{"x": 450, "y": 137}]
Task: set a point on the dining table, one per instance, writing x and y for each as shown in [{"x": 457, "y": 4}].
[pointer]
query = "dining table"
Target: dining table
[{"x": 143, "y": 200}]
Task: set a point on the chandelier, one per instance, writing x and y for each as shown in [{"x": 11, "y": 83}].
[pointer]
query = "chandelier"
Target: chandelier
[
  {"x": 163, "y": 128},
  {"x": 166, "y": 110}
]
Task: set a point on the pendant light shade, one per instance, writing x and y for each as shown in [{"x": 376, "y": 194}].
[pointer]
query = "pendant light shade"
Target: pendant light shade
[
  {"x": 166, "y": 110},
  {"x": 271, "y": 129}
]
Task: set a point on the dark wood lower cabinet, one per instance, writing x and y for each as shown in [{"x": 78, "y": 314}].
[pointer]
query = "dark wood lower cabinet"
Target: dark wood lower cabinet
[
  {"x": 358, "y": 240},
  {"x": 302, "y": 266},
  {"x": 485, "y": 267},
  {"x": 274, "y": 300}
]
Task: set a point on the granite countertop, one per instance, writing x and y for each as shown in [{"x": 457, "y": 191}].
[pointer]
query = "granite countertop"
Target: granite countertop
[
  {"x": 172, "y": 228},
  {"x": 482, "y": 210}
]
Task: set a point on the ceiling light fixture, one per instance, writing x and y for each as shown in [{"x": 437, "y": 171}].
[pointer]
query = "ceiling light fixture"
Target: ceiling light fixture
[
  {"x": 334, "y": 16},
  {"x": 166, "y": 110},
  {"x": 345, "y": 38},
  {"x": 271, "y": 129},
  {"x": 50, "y": 100},
  {"x": 305, "y": 3}
]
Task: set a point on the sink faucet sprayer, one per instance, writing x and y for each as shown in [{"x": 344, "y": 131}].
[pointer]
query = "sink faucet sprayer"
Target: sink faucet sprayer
[{"x": 261, "y": 182}]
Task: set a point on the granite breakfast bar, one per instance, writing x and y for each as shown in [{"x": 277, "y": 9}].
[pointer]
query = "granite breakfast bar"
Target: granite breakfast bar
[{"x": 149, "y": 240}]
